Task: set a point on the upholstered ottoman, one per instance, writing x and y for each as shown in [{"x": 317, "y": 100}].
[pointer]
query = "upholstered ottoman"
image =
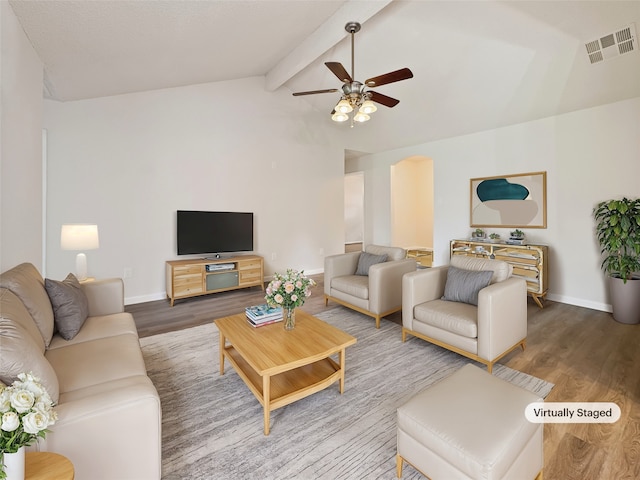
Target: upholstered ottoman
[{"x": 470, "y": 425}]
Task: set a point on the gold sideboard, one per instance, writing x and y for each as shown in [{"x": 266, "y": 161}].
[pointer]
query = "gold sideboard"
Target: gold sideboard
[{"x": 529, "y": 261}]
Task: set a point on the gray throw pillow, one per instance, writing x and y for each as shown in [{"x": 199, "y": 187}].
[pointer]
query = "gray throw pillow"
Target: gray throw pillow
[
  {"x": 70, "y": 305},
  {"x": 464, "y": 285},
  {"x": 366, "y": 260}
]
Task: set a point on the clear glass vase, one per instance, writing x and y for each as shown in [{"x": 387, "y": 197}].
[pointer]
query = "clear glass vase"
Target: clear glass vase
[{"x": 289, "y": 318}]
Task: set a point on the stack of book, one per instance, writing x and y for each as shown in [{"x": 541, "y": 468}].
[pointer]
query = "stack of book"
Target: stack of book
[{"x": 259, "y": 315}]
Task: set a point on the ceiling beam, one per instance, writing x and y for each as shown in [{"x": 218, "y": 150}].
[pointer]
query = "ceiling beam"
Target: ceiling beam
[{"x": 329, "y": 34}]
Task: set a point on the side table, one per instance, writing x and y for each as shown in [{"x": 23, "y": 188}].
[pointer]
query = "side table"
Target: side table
[{"x": 47, "y": 466}]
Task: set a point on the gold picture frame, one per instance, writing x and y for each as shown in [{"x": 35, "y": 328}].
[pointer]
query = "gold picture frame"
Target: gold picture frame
[{"x": 509, "y": 201}]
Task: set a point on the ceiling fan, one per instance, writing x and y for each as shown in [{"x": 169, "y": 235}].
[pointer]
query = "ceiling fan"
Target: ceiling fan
[{"x": 354, "y": 93}]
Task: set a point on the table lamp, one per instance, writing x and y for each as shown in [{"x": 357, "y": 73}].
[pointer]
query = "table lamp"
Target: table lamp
[{"x": 79, "y": 237}]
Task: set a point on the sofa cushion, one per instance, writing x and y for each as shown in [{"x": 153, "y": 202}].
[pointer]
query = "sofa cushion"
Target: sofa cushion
[
  {"x": 457, "y": 317},
  {"x": 366, "y": 260},
  {"x": 81, "y": 365},
  {"x": 354, "y": 285},
  {"x": 27, "y": 283},
  {"x": 70, "y": 306},
  {"x": 464, "y": 285},
  {"x": 12, "y": 308},
  {"x": 21, "y": 354},
  {"x": 501, "y": 270},
  {"x": 98, "y": 327}
]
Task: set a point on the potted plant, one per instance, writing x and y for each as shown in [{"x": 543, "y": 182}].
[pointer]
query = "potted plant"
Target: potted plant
[
  {"x": 495, "y": 237},
  {"x": 478, "y": 233},
  {"x": 618, "y": 233},
  {"x": 517, "y": 234}
]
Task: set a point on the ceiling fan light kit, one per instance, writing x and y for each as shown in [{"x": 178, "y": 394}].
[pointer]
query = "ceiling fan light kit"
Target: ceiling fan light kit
[{"x": 355, "y": 97}]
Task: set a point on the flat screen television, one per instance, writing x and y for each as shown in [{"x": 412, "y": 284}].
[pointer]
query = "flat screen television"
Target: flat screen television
[{"x": 200, "y": 232}]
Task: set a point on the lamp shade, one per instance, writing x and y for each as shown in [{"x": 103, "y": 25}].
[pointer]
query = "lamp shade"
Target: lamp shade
[
  {"x": 368, "y": 107},
  {"x": 340, "y": 117},
  {"x": 361, "y": 117},
  {"x": 79, "y": 237}
]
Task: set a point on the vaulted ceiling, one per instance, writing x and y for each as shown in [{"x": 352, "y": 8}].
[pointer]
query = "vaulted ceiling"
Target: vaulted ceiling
[{"x": 477, "y": 65}]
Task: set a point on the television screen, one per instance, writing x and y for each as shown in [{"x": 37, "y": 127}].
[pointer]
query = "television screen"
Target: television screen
[{"x": 201, "y": 232}]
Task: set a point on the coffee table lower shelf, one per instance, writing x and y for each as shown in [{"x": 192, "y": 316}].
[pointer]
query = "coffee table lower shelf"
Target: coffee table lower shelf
[{"x": 286, "y": 387}]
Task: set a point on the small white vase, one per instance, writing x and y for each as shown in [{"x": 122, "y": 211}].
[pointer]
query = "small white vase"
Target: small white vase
[{"x": 14, "y": 465}]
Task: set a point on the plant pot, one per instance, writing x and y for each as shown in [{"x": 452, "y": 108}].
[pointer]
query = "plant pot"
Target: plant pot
[{"x": 625, "y": 300}]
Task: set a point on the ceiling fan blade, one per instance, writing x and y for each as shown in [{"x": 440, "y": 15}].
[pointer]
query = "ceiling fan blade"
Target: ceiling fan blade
[
  {"x": 313, "y": 92},
  {"x": 383, "y": 99},
  {"x": 339, "y": 71},
  {"x": 396, "y": 76}
]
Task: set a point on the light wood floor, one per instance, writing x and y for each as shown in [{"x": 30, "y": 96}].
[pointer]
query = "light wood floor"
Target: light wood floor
[{"x": 585, "y": 353}]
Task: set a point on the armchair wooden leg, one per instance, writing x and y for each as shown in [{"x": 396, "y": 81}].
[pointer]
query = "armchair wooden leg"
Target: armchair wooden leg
[
  {"x": 377, "y": 321},
  {"x": 399, "y": 466}
]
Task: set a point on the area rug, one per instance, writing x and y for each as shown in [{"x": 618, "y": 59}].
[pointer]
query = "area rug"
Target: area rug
[{"x": 212, "y": 425}]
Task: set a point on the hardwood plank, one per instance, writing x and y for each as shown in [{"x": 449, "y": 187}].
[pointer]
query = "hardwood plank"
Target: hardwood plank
[{"x": 585, "y": 353}]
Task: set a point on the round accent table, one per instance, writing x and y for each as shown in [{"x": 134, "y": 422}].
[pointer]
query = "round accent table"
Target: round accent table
[{"x": 47, "y": 466}]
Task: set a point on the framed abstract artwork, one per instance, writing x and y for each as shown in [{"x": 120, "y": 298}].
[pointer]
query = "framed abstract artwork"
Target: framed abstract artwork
[{"x": 510, "y": 201}]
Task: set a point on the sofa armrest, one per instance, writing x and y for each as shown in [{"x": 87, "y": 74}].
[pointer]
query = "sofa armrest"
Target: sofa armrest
[
  {"x": 502, "y": 316},
  {"x": 385, "y": 284},
  {"x": 421, "y": 286},
  {"x": 105, "y": 296},
  {"x": 111, "y": 430},
  {"x": 337, "y": 266}
]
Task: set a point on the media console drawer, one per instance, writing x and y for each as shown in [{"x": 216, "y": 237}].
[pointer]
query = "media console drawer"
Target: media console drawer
[{"x": 191, "y": 278}]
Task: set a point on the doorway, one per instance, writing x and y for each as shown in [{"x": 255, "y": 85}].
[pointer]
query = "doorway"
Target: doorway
[
  {"x": 354, "y": 211},
  {"x": 412, "y": 204}
]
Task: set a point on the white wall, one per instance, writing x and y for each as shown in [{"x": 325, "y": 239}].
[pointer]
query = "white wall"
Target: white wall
[
  {"x": 21, "y": 146},
  {"x": 128, "y": 162},
  {"x": 589, "y": 156}
]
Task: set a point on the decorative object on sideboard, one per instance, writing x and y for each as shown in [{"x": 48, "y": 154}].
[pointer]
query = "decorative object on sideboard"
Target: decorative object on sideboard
[
  {"x": 79, "y": 237},
  {"x": 354, "y": 96},
  {"x": 517, "y": 237},
  {"x": 494, "y": 237},
  {"x": 618, "y": 233},
  {"x": 27, "y": 412},
  {"x": 478, "y": 234},
  {"x": 505, "y": 201},
  {"x": 289, "y": 290}
]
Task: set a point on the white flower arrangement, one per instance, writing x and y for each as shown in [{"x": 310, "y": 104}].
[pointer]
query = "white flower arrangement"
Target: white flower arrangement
[
  {"x": 26, "y": 411},
  {"x": 289, "y": 290}
]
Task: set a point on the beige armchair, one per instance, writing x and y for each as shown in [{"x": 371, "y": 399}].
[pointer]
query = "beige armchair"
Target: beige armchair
[
  {"x": 484, "y": 332},
  {"x": 375, "y": 289}
]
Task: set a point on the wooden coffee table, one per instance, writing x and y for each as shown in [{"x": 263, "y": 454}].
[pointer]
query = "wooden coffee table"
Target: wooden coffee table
[{"x": 279, "y": 366}]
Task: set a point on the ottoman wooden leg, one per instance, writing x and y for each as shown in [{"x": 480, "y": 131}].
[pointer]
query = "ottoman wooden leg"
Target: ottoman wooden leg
[{"x": 399, "y": 466}]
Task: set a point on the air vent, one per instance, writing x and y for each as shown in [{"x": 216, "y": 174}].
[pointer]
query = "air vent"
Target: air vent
[{"x": 612, "y": 45}]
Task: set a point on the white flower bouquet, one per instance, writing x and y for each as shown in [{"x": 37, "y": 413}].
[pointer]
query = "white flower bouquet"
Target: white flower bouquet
[
  {"x": 26, "y": 411},
  {"x": 289, "y": 290}
]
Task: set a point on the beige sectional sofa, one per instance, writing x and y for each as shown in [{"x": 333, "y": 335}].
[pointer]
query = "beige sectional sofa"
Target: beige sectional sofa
[{"x": 109, "y": 415}]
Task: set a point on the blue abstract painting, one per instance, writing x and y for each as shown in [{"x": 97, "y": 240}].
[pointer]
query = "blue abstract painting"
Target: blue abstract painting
[{"x": 509, "y": 201}]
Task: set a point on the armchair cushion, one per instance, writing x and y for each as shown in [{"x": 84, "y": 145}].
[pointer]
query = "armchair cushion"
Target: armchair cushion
[
  {"x": 457, "y": 317},
  {"x": 354, "y": 285},
  {"x": 464, "y": 285},
  {"x": 501, "y": 270},
  {"x": 366, "y": 260}
]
